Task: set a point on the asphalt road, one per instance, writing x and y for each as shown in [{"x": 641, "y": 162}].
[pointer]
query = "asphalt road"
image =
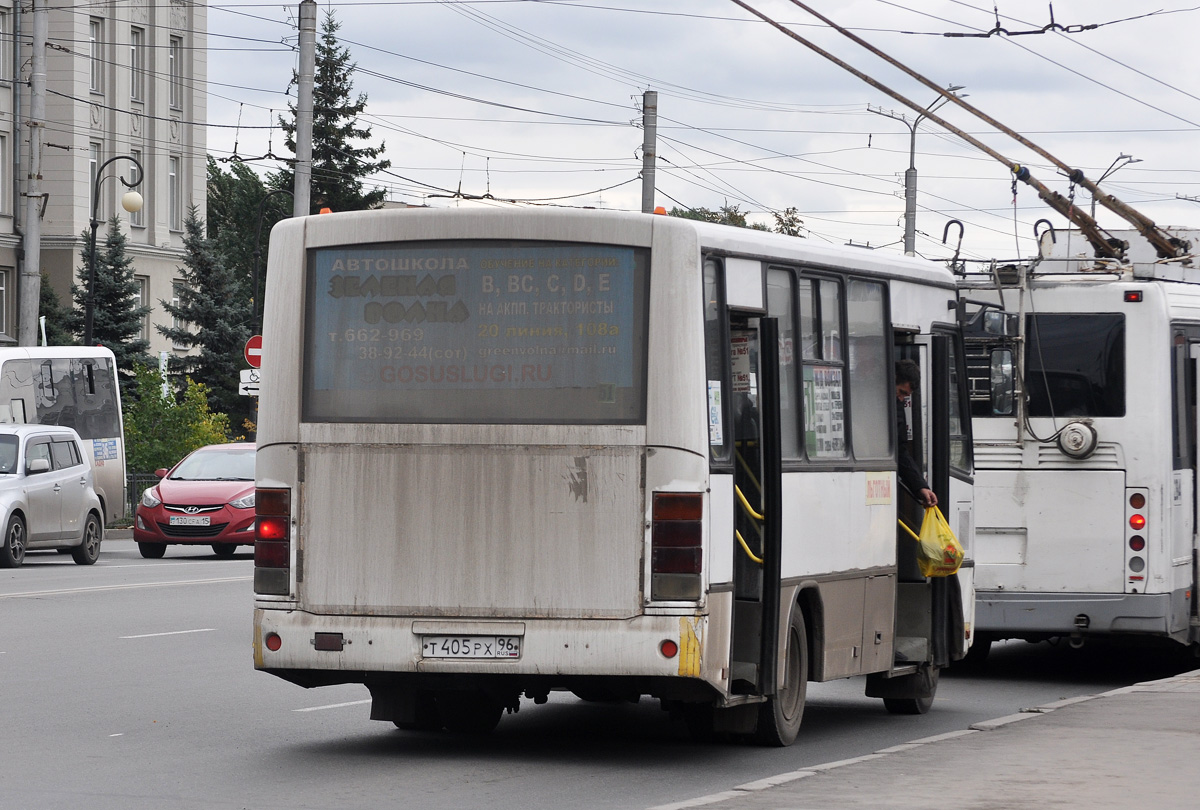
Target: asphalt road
[{"x": 130, "y": 684}]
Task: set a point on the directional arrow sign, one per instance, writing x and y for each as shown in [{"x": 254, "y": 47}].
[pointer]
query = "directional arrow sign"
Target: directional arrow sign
[{"x": 248, "y": 389}]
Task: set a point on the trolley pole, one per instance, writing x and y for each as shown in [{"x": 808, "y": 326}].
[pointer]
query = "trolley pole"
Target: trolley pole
[
  {"x": 649, "y": 139},
  {"x": 304, "y": 107}
]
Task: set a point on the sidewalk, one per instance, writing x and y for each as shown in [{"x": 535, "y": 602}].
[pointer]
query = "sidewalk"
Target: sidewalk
[{"x": 1137, "y": 747}]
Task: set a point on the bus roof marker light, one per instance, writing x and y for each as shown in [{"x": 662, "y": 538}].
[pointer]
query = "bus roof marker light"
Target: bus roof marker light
[
  {"x": 1133, "y": 296},
  {"x": 1137, "y": 522}
]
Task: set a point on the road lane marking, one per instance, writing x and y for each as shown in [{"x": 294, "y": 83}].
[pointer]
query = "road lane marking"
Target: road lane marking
[
  {"x": 96, "y": 588},
  {"x": 333, "y": 706},
  {"x": 172, "y": 633}
]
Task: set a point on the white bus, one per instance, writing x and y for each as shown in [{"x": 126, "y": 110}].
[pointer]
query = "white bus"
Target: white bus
[
  {"x": 502, "y": 453},
  {"x": 1083, "y": 389},
  {"x": 75, "y": 387}
]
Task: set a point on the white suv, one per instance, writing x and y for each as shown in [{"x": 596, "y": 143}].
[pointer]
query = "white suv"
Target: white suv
[{"x": 47, "y": 497}]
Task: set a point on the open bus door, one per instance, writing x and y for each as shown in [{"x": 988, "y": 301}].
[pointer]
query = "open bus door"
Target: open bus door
[{"x": 774, "y": 694}]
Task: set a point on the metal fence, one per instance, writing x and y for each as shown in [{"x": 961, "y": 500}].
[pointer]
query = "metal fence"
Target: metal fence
[{"x": 135, "y": 485}]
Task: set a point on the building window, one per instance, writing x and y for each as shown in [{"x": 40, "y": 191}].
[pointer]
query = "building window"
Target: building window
[
  {"x": 177, "y": 322},
  {"x": 4, "y": 302},
  {"x": 96, "y": 53},
  {"x": 175, "y": 192},
  {"x": 94, "y": 167},
  {"x": 175, "y": 58},
  {"x": 143, "y": 283},
  {"x": 3, "y": 177},
  {"x": 138, "y": 218},
  {"x": 5, "y": 47},
  {"x": 137, "y": 64}
]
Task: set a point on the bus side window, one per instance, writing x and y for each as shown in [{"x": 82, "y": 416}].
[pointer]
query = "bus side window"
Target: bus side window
[
  {"x": 719, "y": 434},
  {"x": 780, "y": 305},
  {"x": 870, "y": 399}
]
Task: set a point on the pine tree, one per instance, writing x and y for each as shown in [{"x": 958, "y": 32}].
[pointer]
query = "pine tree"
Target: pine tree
[
  {"x": 234, "y": 199},
  {"x": 58, "y": 330},
  {"x": 213, "y": 315},
  {"x": 338, "y": 166},
  {"x": 116, "y": 316}
]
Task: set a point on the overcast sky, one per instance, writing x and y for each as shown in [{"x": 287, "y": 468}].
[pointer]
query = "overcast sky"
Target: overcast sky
[{"x": 540, "y": 100}]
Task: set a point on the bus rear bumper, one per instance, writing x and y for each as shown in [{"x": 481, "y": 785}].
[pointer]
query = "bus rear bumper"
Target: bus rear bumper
[
  {"x": 1022, "y": 615},
  {"x": 315, "y": 650}
]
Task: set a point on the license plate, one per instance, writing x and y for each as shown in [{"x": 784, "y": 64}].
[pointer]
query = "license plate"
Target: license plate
[
  {"x": 470, "y": 646},
  {"x": 190, "y": 520}
]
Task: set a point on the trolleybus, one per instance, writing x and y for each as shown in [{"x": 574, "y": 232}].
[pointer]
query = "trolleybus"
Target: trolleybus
[
  {"x": 1083, "y": 392},
  {"x": 502, "y": 453}
]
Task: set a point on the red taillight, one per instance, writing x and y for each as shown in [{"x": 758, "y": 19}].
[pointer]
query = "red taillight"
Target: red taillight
[
  {"x": 271, "y": 553},
  {"x": 272, "y": 541},
  {"x": 1137, "y": 542},
  {"x": 678, "y": 506},
  {"x": 669, "y": 649},
  {"x": 1137, "y": 500},
  {"x": 676, "y": 541},
  {"x": 1137, "y": 522},
  {"x": 273, "y": 642},
  {"x": 269, "y": 527}
]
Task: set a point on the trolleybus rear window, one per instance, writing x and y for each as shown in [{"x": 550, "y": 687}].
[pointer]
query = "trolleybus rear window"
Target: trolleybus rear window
[
  {"x": 1076, "y": 364},
  {"x": 476, "y": 332}
]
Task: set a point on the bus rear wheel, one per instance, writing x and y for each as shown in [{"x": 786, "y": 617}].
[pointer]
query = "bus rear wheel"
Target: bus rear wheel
[
  {"x": 474, "y": 712},
  {"x": 914, "y": 705},
  {"x": 779, "y": 717}
]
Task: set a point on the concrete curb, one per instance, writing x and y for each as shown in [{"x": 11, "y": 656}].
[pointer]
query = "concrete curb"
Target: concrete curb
[{"x": 987, "y": 725}]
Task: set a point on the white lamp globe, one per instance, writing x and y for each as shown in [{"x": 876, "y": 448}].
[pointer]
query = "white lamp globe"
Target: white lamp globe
[{"x": 131, "y": 201}]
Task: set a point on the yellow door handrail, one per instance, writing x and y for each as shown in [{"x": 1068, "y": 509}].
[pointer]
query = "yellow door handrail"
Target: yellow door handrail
[
  {"x": 746, "y": 504},
  {"x": 904, "y": 526},
  {"x": 746, "y": 548}
]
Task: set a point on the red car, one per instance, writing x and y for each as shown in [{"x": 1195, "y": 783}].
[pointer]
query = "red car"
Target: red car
[{"x": 208, "y": 499}]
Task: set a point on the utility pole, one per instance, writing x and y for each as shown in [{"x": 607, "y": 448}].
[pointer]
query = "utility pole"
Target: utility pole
[
  {"x": 910, "y": 174},
  {"x": 649, "y": 139},
  {"x": 304, "y": 107},
  {"x": 31, "y": 267}
]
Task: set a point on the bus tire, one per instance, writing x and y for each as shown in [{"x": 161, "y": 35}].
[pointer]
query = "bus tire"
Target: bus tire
[
  {"x": 152, "y": 551},
  {"x": 88, "y": 550},
  {"x": 779, "y": 717},
  {"x": 914, "y": 705},
  {"x": 12, "y": 552},
  {"x": 426, "y": 716},
  {"x": 474, "y": 712}
]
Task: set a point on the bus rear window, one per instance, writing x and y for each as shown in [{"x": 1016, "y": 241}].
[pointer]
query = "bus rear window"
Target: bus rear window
[
  {"x": 1075, "y": 364},
  {"x": 476, "y": 332}
]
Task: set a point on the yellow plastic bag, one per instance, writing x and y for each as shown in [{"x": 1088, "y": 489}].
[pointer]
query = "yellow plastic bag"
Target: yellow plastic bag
[{"x": 938, "y": 551}]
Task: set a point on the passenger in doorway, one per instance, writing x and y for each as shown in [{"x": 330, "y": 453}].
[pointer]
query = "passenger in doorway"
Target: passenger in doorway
[{"x": 908, "y": 377}]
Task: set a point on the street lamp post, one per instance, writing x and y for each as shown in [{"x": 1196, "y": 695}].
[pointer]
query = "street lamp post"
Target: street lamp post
[
  {"x": 131, "y": 201},
  {"x": 910, "y": 174},
  {"x": 262, "y": 205},
  {"x": 1122, "y": 161}
]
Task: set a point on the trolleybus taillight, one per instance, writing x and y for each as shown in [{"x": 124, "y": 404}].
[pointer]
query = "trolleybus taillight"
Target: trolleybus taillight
[
  {"x": 1136, "y": 545},
  {"x": 676, "y": 540},
  {"x": 272, "y": 541}
]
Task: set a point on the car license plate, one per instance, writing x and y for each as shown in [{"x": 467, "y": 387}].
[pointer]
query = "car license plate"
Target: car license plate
[
  {"x": 191, "y": 520},
  {"x": 470, "y": 646}
]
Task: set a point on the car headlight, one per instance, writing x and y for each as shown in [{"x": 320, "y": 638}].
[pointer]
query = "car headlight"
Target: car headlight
[
  {"x": 150, "y": 498},
  {"x": 244, "y": 502}
]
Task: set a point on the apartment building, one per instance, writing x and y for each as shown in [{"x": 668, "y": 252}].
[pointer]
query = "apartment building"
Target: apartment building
[{"x": 123, "y": 79}]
